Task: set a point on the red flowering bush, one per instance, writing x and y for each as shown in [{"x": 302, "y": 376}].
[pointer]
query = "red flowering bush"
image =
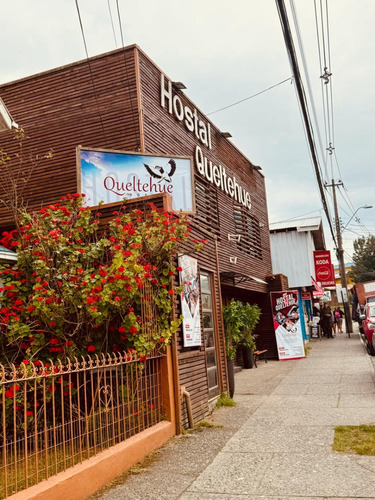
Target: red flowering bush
[{"x": 78, "y": 291}]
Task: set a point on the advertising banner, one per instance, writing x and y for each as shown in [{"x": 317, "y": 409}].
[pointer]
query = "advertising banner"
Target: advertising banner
[
  {"x": 112, "y": 176},
  {"x": 191, "y": 324},
  {"x": 324, "y": 272},
  {"x": 287, "y": 325}
]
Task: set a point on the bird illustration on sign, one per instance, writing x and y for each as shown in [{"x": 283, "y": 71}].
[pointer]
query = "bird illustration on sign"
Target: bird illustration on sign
[{"x": 161, "y": 173}]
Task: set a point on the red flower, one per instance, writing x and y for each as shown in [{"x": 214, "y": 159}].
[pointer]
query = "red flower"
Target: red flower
[
  {"x": 25, "y": 361},
  {"x": 117, "y": 298},
  {"x": 54, "y": 341},
  {"x": 91, "y": 348},
  {"x": 171, "y": 292},
  {"x": 9, "y": 393},
  {"x": 122, "y": 329},
  {"x": 178, "y": 268},
  {"x": 29, "y": 413}
]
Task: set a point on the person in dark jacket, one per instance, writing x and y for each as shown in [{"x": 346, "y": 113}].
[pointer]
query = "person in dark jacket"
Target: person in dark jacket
[{"x": 326, "y": 321}]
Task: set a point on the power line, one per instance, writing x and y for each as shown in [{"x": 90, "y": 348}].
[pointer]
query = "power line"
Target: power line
[
  {"x": 127, "y": 77},
  {"x": 250, "y": 97},
  {"x": 308, "y": 82},
  {"x": 297, "y": 216},
  {"x": 303, "y": 104},
  {"x": 90, "y": 69},
  {"x": 113, "y": 28}
]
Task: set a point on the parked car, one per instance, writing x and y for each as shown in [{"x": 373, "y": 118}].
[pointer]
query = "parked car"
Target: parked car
[{"x": 367, "y": 327}]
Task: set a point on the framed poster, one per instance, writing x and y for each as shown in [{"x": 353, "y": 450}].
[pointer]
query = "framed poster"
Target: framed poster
[
  {"x": 190, "y": 296},
  {"x": 114, "y": 176},
  {"x": 287, "y": 324}
]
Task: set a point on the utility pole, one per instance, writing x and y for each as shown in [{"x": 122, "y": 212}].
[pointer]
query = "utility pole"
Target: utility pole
[{"x": 340, "y": 258}]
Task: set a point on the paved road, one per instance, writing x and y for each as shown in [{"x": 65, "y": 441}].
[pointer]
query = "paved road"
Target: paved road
[{"x": 276, "y": 443}]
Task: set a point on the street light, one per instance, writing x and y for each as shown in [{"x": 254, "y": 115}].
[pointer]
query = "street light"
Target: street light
[{"x": 347, "y": 224}]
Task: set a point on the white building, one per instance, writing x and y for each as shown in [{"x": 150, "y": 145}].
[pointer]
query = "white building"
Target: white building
[{"x": 292, "y": 247}]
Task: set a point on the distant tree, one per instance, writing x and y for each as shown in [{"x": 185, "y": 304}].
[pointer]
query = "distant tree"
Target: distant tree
[{"x": 363, "y": 259}]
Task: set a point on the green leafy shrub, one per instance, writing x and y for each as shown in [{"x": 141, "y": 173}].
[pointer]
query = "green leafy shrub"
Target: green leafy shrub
[{"x": 239, "y": 323}]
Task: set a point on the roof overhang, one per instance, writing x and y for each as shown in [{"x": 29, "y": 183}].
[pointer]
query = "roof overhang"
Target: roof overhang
[
  {"x": 7, "y": 255},
  {"x": 6, "y": 121},
  {"x": 234, "y": 278}
]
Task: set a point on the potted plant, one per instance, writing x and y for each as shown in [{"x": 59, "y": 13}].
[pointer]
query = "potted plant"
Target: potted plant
[
  {"x": 232, "y": 326},
  {"x": 239, "y": 323},
  {"x": 250, "y": 318}
]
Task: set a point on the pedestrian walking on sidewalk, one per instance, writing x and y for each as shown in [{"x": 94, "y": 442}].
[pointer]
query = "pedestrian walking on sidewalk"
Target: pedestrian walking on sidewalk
[
  {"x": 337, "y": 319},
  {"x": 326, "y": 321}
]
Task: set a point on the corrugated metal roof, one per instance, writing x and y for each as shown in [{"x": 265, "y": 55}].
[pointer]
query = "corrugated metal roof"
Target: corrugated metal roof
[
  {"x": 311, "y": 224},
  {"x": 298, "y": 224}
]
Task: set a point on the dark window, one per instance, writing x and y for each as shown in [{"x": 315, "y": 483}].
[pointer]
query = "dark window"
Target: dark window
[
  {"x": 207, "y": 209},
  {"x": 247, "y": 228}
]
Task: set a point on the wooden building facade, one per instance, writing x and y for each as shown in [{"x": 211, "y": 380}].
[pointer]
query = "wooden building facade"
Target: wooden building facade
[{"x": 122, "y": 101}]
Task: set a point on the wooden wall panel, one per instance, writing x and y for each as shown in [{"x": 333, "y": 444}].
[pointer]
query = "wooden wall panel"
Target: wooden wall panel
[
  {"x": 63, "y": 108},
  {"x": 165, "y": 134}
]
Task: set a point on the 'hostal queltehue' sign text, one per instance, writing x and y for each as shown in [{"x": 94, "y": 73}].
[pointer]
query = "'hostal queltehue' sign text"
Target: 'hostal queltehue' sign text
[{"x": 216, "y": 174}]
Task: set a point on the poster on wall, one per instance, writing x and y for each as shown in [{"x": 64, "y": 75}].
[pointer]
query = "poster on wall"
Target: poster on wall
[
  {"x": 287, "y": 325},
  {"x": 112, "y": 176},
  {"x": 189, "y": 279}
]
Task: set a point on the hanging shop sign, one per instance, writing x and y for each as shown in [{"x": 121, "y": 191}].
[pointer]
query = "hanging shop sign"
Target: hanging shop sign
[
  {"x": 189, "y": 279},
  {"x": 318, "y": 290},
  {"x": 201, "y": 129},
  {"x": 306, "y": 296},
  {"x": 287, "y": 324},
  {"x": 112, "y": 176},
  {"x": 324, "y": 272}
]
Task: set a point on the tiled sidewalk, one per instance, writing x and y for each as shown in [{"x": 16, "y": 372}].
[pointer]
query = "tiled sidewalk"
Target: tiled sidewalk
[{"x": 276, "y": 444}]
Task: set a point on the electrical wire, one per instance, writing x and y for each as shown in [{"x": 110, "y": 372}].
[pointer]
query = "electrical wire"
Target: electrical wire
[
  {"x": 297, "y": 216},
  {"x": 91, "y": 73},
  {"x": 113, "y": 28},
  {"x": 250, "y": 97},
  {"x": 308, "y": 82},
  {"x": 304, "y": 107},
  {"x": 127, "y": 78}
]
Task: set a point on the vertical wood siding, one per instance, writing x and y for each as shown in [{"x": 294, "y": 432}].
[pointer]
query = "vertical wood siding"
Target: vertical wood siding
[
  {"x": 164, "y": 134},
  {"x": 63, "y": 108}
]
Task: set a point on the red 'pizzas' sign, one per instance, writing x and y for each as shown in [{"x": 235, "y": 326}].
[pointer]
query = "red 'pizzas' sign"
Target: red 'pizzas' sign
[{"x": 323, "y": 268}]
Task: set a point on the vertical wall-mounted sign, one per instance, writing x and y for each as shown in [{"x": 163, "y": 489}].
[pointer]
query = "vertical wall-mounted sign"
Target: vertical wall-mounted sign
[
  {"x": 189, "y": 279},
  {"x": 324, "y": 272},
  {"x": 112, "y": 176},
  {"x": 287, "y": 324}
]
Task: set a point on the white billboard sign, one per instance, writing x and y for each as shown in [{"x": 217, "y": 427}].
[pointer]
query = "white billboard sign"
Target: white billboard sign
[{"x": 113, "y": 176}]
